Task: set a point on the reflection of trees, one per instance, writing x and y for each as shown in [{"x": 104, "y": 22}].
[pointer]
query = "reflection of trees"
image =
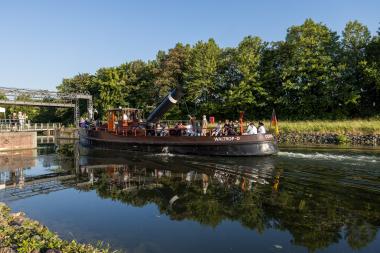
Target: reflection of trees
[
  {"x": 359, "y": 232},
  {"x": 315, "y": 217}
]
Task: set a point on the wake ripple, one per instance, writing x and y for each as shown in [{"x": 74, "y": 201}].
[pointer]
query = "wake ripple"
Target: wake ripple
[{"x": 329, "y": 156}]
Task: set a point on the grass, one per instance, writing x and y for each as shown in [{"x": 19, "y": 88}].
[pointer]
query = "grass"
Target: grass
[
  {"x": 356, "y": 127},
  {"x": 341, "y": 127}
]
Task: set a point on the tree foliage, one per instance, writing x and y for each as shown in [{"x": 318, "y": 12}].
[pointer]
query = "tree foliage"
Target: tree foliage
[{"x": 313, "y": 74}]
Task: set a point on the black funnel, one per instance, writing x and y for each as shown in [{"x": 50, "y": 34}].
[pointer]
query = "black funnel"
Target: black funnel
[{"x": 166, "y": 104}]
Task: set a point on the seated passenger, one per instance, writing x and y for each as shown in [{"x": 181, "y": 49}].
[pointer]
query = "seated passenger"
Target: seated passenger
[
  {"x": 217, "y": 131},
  {"x": 165, "y": 130},
  {"x": 189, "y": 130},
  {"x": 158, "y": 129},
  {"x": 226, "y": 127},
  {"x": 251, "y": 129},
  {"x": 177, "y": 129},
  {"x": 261, "y": 129},
  {"x": 236, "y": 125}
]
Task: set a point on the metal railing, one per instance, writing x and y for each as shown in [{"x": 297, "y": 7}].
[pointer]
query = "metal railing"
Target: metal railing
[{"x": 28, "y": 127}]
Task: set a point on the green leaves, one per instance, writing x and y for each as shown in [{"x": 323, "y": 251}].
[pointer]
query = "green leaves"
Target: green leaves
[
  {"x": 313, "y": 73},
  {"x": 200, "y": 79}
]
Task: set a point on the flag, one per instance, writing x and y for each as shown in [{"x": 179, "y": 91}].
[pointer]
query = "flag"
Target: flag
[{"x": 274, "y": 123}]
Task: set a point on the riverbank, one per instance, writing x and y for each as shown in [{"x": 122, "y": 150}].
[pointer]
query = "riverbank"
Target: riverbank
[
  {"x": 353, "y": 127},
  {"x": 329, "y": 138},
  {"x": 350, "y": 132},
  {"x": 21, "y": 234}
]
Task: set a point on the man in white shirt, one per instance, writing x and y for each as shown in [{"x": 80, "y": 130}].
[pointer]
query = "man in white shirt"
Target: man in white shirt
[
  {"x": 251, "y": 129},
  {"x": 261, "y": 129}
]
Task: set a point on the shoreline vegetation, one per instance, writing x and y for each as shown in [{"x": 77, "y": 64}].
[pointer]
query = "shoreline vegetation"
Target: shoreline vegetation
[
  {"x": 21, "y": 234},
  {"x": 348, "y": 132},
  {"x": 353, "y": 127}
]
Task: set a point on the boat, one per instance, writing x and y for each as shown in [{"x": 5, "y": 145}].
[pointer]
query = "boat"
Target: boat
[{"x": 125, "y": 130}]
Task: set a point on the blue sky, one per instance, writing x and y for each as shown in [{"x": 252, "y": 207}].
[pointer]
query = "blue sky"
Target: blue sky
[{"x": 43, "y": 41}]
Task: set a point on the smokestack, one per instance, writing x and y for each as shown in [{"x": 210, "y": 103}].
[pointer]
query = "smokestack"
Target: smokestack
[{"x": 166, "y": 104}]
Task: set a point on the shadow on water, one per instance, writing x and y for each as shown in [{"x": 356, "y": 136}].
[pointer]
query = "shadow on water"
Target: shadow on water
[{"x": 326, "y": 200}]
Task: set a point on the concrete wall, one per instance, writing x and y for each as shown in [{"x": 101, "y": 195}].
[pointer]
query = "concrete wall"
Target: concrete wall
[
  {"x": 67, "y": 133},
  {"x": 17, "y": 140}
]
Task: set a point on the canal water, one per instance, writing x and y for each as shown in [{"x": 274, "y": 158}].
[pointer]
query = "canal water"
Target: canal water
[{"x": 301, "y": 200}]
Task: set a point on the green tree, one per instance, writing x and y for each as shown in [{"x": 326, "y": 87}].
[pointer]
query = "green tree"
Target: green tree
[
  {"x": 81, "y": 83},
  {"x": 201, "y": 78},
  {"x": 170, "y": 72},
  {"x": 352, "y": 89},
  {"x": 308, "y": 75},
  {"x": 249, "y": 94},
  {"x": 110, "y": 84},
  {"x": 228, "y": 78},
  {"x": 138, "y": 86},
  {"x": 372, "y": 102},
  {"x": 171, "y": 68},
  {"x": 274, "y": 57},
  {"x": 311, "y": 74}
]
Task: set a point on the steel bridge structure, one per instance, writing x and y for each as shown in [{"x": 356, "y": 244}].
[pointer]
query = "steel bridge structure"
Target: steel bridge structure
[{"x": 46, "y": 98}]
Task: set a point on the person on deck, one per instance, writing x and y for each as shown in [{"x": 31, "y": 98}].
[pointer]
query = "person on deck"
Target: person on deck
[
  {"x": 179, "y": 127},
  {"x": 235, "y": 126},
  {"x": 204, "y": 125},
  {"x": 158, "y": 129},
  {"x": 261, "y": 129},
  {"x": 217, "y": 131},
  {"x": 189, "y": 130},
  {"x": 81, "y": 122},
  {"x": 251, "y": 129},
  {"x": 165, "y": 131},
  {"x": 226, "y": 127},
  {"x": 125, "y": 116}
]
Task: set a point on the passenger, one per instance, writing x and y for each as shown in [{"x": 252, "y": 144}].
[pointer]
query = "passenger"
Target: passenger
[
  {"x": 251, "y": 129},
  {"x": 81, "y": 122},
  {"x": 226, "y": 127},
  {"x": 231, "y": 131},
  {"x": 261, "y": 129},
  {"x": 158, "y": 129},
  {"x": 165, "y": 131},
  {"x": 189, "y": 130},
  {"x": 236, "y": 126},
  {"x": 86, "y": 123},
  {"x": 204, "y": 125},
  {"x": 179, "y": 127},
  {"x": 198, "y": 128},
  {"x": 217, "y": 131}
]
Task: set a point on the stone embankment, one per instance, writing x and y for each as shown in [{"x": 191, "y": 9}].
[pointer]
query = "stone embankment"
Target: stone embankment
[
  {"x": 21, "y": 234},
  {"x": 315, "y": 138}
]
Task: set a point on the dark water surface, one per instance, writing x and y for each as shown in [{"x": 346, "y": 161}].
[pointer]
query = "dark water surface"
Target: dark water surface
[{"x": 301, "y": 200}]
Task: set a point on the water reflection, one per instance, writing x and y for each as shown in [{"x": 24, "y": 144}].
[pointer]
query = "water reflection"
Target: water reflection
[{"x": 320, "y": 203}]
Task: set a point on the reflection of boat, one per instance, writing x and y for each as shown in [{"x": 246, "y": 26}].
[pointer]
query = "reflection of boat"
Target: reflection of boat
[
  {"x": 136, "y": 172},
  {"x": 125, "y": 131}
]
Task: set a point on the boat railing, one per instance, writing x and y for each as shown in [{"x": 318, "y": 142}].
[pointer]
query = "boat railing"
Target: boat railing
[{"x": 166, "y": 128}]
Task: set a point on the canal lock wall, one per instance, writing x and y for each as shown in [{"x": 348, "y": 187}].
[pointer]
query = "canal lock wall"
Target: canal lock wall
[{"x": 17, "y": 140}]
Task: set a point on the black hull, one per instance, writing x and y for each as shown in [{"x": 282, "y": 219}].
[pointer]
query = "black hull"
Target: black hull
[{"x": 243, "y": 146}]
